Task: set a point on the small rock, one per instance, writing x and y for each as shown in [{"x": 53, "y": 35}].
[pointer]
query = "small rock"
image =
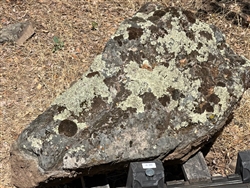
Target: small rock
[
  {"x": 39, "y": 86},
  {"x": 18, "y": 33}
]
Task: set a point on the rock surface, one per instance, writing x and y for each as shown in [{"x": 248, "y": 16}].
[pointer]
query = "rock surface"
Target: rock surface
[
  {"x": 164, "y": 84},
  {"x": 17, "y": 33}
]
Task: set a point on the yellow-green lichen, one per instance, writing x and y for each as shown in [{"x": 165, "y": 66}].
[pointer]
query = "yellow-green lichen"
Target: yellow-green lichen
[
  {"x": 160, "y": 49},
  {"x": 196, "y": 118},
  {"x": 98, "y": 64},
  {"x": 70, "y": 162},
  {"x": 146, "y": 32},
  {"x": 157, "y": 81},
  {"x": 55, "y": 129},
  {"x": 181, "y": 125},
  {"x": 153, "y": 42},
  {"x": 122, "y": 30},
  {"x": 143, "y": 15},
  {"x": 80, "y": 96},
  {"x": 224, "y": 97},
  {"x": 62, "y": 116},
  {"x": 75, "y": 149},
  {"x": 173, "y": 104},
  {"x": 80, "y": 125},
  {"x": 239, "y": 89},
  {"x": 144, "y": 38},
  {"x": 132, "y": 101},
  {"x": 176, "y": 40},
  {"x": 35, "y": 142}
]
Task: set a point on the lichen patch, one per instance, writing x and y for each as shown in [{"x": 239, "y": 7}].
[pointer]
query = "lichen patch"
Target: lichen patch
[
  {"x": 224, "y": 97},
  {"x": 62, "y": 115},
  {"x": 122, "y": 31},
  {"x": 132, "y": 101},
  {"x": 158, "y": 80},
  {"x": 84, "y": 91}
]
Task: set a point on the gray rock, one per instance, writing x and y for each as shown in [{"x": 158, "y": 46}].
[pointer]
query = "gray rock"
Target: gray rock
[
  {"x": 164, "y": 84},
  {"x": 16, "y": 33}
]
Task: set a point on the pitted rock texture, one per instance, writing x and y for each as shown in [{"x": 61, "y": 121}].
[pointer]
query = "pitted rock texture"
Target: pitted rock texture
[{"x": 164, "y": 84}]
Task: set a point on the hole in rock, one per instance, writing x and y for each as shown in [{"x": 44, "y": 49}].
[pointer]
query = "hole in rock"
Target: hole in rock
[{"x": 67, "y": 127}]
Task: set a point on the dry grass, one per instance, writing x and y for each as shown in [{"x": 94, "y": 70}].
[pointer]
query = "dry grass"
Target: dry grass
[{"x": 32, "y": 75}]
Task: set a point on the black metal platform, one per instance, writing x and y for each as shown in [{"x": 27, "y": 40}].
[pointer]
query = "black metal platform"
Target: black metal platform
[{"x": 151, "y": 174}]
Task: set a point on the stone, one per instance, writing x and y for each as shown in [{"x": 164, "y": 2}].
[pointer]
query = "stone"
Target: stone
[
  {"x": 196, "y": 169},
  {"x": 16, "y": 33},
  {"x": 164, "y": 84}
]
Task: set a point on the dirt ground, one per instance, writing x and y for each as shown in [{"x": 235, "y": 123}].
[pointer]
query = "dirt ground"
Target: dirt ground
[{"x": 33, "y": 74}]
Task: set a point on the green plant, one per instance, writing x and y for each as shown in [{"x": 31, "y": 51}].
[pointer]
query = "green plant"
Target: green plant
[
  {"x": 94, "y": 25},
  {"x": 58, "y": 44}
]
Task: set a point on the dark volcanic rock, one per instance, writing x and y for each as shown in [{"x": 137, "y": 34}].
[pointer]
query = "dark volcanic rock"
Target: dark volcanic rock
[{"x": 164, "y": 84}]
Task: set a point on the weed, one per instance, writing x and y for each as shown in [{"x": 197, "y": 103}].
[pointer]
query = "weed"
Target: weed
[
  {"x": 94, "y": 25},
  {"x": 58, "y": 44}
]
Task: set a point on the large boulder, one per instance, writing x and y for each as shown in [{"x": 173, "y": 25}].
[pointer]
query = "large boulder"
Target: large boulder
[{"x": 164, "y": 84}]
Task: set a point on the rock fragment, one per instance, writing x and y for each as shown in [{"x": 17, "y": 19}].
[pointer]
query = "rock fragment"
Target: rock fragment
[
  {"x": 18, "y": 33},
  {"x": 164, "y": 84}
]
